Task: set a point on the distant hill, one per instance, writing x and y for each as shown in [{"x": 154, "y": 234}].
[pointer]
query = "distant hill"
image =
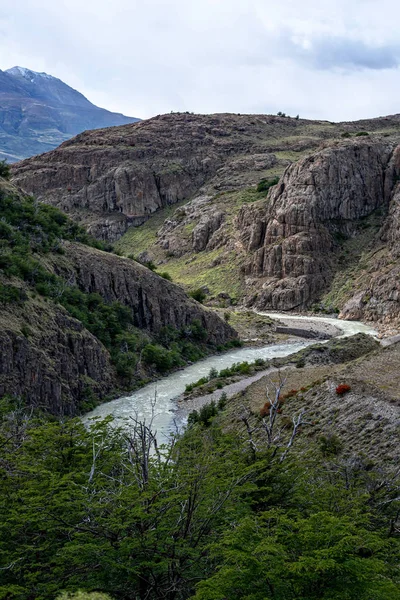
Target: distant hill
[{"x": 38, "y": 112}]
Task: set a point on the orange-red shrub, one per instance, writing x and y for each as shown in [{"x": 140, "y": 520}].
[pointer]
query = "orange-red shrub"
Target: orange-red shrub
[
  {"x": 343, "y": 388},
  {"x": 264, "y": 412}
]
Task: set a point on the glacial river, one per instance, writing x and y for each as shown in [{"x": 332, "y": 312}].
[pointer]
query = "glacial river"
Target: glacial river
[{"x": 167, "y": 389}]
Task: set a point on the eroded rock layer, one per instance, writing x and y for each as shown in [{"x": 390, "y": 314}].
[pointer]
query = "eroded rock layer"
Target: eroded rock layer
[
  {"x": 112, "y": 178},
  {"x": 292, "y": 236}
]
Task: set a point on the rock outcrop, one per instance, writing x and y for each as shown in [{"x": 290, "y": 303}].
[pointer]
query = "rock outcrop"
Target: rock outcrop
[
  {"x": 113, "y": 178},
  {"x": 292, "y": 236},
  {"x": 48, "y": 356},
  {"x": 50, "y": 360},
  {"x": 155, "y": 302},
  {"x": 378, "y": 296}
]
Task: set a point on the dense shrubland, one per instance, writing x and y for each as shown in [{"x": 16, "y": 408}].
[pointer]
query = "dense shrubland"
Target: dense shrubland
[{"x": 204, "y": 517}]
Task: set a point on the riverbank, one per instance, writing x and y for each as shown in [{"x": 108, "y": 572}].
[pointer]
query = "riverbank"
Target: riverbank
[
  {"x": 338, "y": 350},
  {"x": 158, "y": 401}
]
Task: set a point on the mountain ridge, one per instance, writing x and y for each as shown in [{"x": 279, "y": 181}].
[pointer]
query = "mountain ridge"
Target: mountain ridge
[{"x": 39, "y": 111}]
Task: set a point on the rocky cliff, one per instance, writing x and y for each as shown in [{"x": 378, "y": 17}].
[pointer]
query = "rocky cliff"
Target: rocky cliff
[
  {"x": 154, "y": 301},
  {"x": 291, "y": 238},
  {"x": 50, "y": 360},
  {"x": 74, "y": 319},
  {"x": 113, "y": 178},
  {"x": 325, "y": 236}
]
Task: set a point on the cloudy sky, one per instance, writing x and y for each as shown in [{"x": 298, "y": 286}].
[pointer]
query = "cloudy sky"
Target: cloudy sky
[{"x": 331, "y": 60}]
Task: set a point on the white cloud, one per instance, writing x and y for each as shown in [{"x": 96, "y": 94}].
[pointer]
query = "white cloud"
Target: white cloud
[{"x": 323, "y": 60}]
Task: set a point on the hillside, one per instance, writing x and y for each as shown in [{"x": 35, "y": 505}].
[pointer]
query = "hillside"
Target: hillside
[
  {"x": 77, "y": 323},
  {"x": 38, "y": 112},
  {"x": 325, "y": 237}
]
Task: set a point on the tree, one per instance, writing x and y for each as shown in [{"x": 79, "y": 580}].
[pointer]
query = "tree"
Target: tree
[
  {"x": 269, "y": 433},
  {"x": 5, "y": 170}
]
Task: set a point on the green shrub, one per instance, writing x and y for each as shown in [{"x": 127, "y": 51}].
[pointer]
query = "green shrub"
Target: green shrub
[
  {"x": 83, "y": 596},
  {"x": 361, "y": 133},
  {"x": 165, "y": 275},
  {"x": 265, "y": 184},
  {"x": 330, "y": 445},
  {"x": 9, "y": 294},
  {"x": 213, "y": 374},
  {"x": 204, "y": 416},
  {"x": 5, "y": 170},
  {"x": 222, "y": 401},
  {"x": 198, "y": 295}
]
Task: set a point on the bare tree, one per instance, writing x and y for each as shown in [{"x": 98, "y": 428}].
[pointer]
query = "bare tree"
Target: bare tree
[{"x": 269, "y": 425}]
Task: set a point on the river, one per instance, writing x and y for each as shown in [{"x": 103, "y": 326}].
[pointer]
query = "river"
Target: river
[{"x": 167, "y": 389}]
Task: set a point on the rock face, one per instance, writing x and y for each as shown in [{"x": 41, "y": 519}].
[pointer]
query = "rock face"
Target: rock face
[
  {"x": 154, "y": 301},
  {"x": 50, "y": 360},
  {"x": 291, "y": 237},
  {"x": 111, "y": 178},
  {"x": 38, "y": 112},
  {"x": 378, "y": 299}
]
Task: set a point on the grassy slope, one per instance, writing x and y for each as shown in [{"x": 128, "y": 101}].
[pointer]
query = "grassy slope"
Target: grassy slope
[
  {"x": 218, "y": 269},
  {"x": 354, "y": 263},
  {"x": 366, "y": 420},
  {"x": 288, "y": 145}
]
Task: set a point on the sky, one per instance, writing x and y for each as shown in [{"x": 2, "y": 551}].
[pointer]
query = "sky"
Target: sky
[{"x": 334, "y": 60}]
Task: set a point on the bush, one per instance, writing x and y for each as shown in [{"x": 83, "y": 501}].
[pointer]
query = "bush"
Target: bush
[
  {"x": 204, "y": 416},
  {"x": 157, "y": 356},
  {"x": 165, "y": 275},
  {"x": 330, "y": 445},
  {"x": 197, "y": 331},
  {"x": 343, "y": 388},
  {"x": 222, "y": 401},
  {"x": 213, "y": 374},
  {"x": 198, "y": 295},
  {"x": 265, "y": 184},
  {"x": 9, "y": 294},
  {"x": 346, "y": 134},
  {"x": 361, "y": 133},
  {"x": 5, "y": 170},
  {"x": 264, "y": 412}
]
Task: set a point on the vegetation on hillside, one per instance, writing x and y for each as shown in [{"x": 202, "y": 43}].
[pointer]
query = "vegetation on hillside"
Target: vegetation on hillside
[
  {"x": 204, "y": 517},
  {"x": 30, "y": 230}
]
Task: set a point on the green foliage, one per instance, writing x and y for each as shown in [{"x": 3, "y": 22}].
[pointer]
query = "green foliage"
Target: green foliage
[
  {"x": 346, "y": 134},
  {"x": 213, "y": 374},
  {"x": 198, "y": 295},
  {"x": 243, "y": 368},
  {"x": 83, "y": 596},
  {"x": 286, "y": 556},
  {"x": 361, "y": 133},
  {"x": 5, "y": 170},
  {"x": 28, "y": 230},
  {"x": 9, "y": 294},
  {"x": 330, "y": 445},
  {"x": 86, "y": 513},
  {"x": 165, "y": 275},
  {"x": 265, "y": 184},
  {"x": 161, "y": 358},
  {"x": 204, "y": 416}
]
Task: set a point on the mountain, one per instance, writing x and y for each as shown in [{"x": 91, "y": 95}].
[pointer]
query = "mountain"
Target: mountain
[
  {"x": 38, "y": 112},
  {"x": 215, "y": 215},
  {"x": 78, "y": 323}
]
